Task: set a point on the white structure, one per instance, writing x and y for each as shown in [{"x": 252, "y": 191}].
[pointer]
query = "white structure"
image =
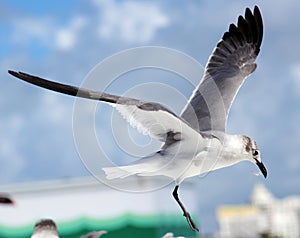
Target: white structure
[
  {"x": 265, "y": 215},
  {"x": 81, "y": 205}
]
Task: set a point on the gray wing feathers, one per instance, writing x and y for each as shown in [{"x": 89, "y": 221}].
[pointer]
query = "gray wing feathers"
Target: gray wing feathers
[
  {"x": 230, "y": 63},
  {"x": 87, "y": 93},
  {"x": 72, "y": 90},
  {"x": 148, "y": 117}
]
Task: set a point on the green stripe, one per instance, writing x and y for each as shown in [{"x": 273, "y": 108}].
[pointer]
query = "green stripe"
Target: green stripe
[{"x": 86, "y": 223}]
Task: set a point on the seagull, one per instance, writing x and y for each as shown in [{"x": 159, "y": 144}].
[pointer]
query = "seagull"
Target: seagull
[
  {"x": 194, "y": 142},
  {"x": 5, "y": 199},
  {"x": 171, "y": 235},
  {"x": 94, "y": 234},
  {"x": 46, "y": 228}
]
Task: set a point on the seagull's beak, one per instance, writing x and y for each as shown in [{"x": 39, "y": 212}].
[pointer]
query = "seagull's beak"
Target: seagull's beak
[{"x": 262, "y": 168}]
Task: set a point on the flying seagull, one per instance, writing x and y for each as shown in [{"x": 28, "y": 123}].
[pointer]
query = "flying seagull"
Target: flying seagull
[{"x": 194, "y": 142}]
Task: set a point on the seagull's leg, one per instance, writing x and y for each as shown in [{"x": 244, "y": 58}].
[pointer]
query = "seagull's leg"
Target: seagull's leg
[{"x": 185, "y": 213}]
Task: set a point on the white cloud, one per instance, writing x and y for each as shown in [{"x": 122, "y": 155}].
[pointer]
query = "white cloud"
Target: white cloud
[
  {"x": 28, "y": 28},
  {"x": 130, "y": 21},
  {"x": 295, "y": 73},
  {"x": 66, "y": 38},
  {"x": 48, "y": 31},
  {"x": 12, "y": 162},
  {"x": 54, "y": 109}
]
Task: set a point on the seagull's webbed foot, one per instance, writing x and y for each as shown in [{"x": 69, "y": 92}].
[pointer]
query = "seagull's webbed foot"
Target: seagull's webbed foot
[{"x": 185, "y": 213}]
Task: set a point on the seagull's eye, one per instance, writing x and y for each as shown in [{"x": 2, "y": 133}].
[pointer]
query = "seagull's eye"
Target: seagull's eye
[{"x": 255, "y": 153}]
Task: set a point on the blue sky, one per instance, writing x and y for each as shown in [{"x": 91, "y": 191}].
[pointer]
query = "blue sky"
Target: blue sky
[{"x": 64, "y": 40}]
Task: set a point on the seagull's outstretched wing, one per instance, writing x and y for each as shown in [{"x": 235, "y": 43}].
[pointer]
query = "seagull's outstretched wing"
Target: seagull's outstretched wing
[
  {"x": 149, "y": 118},
  {"x": 230, "y": 63}
]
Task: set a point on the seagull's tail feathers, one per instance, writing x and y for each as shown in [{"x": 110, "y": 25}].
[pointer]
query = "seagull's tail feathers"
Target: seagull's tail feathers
[
  {"x": 122, "y": 172},
  {"x": 147, "y": 166}
]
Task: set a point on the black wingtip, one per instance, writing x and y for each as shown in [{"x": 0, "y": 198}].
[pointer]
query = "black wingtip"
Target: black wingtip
[
  {"x": 248, "y": 11},
  {"x": 13, "y": 73},
  {"x": 256, "y": 8},
  {"x": 18, "y": 74},
  {"x": 259, "y": 23}
]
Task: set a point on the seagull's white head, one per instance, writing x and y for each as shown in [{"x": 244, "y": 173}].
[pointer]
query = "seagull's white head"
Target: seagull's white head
[
  {"x": 45, "y": 228},
  {"x": 253, "y": 154}
]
